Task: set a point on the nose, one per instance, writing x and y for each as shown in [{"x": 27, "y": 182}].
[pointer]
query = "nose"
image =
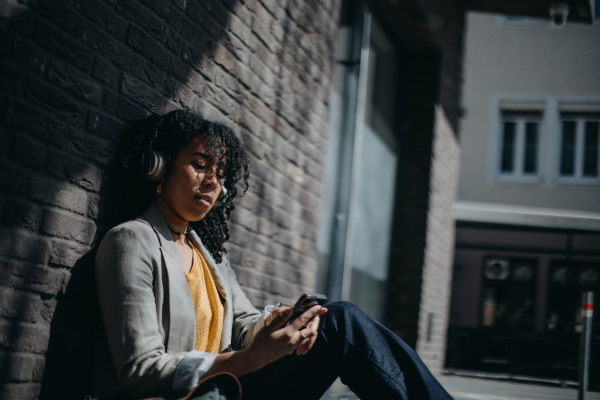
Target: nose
[{"x": 211, "y": 178}]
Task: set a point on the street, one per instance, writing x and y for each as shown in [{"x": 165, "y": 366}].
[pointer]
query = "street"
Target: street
[{"x": 462, "y": 388}]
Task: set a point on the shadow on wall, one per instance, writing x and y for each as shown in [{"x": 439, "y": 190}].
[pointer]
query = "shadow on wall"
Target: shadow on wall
[{"x": 73, "y": 77}]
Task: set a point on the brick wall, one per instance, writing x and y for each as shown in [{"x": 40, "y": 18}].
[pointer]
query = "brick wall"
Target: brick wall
[
  {"x": 74, "y": 74},
  {"x": 439, "y": 245},
  {"x": 421, "y": 250}
]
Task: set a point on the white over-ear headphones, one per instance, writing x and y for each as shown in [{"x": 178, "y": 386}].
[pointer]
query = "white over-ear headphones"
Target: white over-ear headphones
[
  {"x": 153, "y": 163},
  {"x": 221, "y": 197}
]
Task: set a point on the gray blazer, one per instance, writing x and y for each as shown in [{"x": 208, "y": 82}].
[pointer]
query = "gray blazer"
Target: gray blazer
[{"x": 150, "y": 324}]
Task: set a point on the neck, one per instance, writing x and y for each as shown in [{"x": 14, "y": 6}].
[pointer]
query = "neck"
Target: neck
[
  {"x": 176, "y": 232},
  {"x": 174, "y": 221}
]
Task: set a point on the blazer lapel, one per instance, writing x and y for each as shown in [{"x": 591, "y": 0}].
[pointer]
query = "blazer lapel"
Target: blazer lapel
[{"x": 182, "y": 328}]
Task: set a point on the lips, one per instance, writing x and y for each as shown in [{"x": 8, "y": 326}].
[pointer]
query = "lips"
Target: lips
[{"x": 205, "y": 198}]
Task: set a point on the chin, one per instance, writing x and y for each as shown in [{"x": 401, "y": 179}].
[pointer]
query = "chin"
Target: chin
[{"x": 197, "y": 216}]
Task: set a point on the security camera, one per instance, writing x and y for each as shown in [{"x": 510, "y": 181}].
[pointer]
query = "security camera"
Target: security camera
[{"x": 559, "y": 13}]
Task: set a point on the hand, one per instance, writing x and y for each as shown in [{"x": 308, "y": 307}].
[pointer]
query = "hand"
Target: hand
[
  {"x": 277, "y": 339},
  {"x": 308, "y": 343}
]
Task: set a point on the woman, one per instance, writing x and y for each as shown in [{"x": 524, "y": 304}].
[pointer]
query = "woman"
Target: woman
[{"x": 174, "y": 313}]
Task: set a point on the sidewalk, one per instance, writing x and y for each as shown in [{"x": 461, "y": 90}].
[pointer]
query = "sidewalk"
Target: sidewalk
[{"x": 462, "y": 388}]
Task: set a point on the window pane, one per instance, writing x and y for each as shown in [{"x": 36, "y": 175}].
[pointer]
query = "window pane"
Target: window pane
[
  {"x": 531, "y": 139},
  {"x": 567, "y": 153},
  {"x": 508, "y": 146},
  {"x": 590, "y": 155}
]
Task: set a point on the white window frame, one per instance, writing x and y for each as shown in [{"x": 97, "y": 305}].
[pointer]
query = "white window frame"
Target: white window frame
[
  {"x": 518, "y": 174},
  {"x": 577, "y": 177}
]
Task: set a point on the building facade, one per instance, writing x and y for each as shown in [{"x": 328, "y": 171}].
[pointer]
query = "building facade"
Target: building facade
[
  {"x": 528, "y": 210},
  {"x": 287, "y": 76}
]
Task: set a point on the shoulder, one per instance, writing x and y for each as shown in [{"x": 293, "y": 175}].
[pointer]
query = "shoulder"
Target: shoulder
[{"x": 138, "y": 232}]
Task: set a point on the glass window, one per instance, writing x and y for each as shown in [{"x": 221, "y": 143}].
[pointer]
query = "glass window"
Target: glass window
[
  {"x": 579, "y": 146},
  {"x": 360, "y": 169},
  {"x": 567, "y": 152},
  {"x": 531, "y": 135},
  {"x": 372, "y": 214},
  {"x": 508, "y": 147},
  {"x": 568, "y": 280},
  {"x": 590, "y": 152},
  {"x": 520, "y": 144},
  {"x": 509, "y": 291}
]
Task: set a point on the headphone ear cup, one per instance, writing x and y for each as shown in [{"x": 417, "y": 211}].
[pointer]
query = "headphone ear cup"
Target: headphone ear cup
[
  {"x": 153, "y": 166},
  {"x": 221, "y": 197}
]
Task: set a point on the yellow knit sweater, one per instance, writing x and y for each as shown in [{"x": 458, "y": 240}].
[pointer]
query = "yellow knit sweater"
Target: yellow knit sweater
[{"x": 207, "y": 304}]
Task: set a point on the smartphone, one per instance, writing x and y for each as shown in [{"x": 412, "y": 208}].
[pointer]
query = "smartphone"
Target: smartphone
[{"x": 306, "y": 301}]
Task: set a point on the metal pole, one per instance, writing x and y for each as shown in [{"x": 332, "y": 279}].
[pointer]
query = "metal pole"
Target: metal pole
[
  {"x": 359, "y": 126},
  {"x": 587, "y": 311}
]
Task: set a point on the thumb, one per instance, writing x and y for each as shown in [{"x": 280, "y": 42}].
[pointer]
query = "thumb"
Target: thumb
[{"x": 281, "y": 318}]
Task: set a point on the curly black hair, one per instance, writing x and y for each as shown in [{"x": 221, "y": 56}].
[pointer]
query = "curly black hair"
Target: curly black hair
[{"x": 175, "y": 131}]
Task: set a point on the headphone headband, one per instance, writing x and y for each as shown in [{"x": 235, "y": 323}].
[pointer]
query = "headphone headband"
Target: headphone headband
[{"x": 156, "y": 131}]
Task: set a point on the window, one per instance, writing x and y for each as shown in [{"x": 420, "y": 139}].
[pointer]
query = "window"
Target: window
[
  {"x": 355, "y": 237},
  {"x": 579, "y": 146},
  {"x": 520, "y": 135},
  {"x": 509, "y": 291},
  {"x": 568, "y": 280}
]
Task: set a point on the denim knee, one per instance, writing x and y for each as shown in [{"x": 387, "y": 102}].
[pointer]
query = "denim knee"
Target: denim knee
[
  {"x": 345, "y": 308},
  {"x": 345, "y": 319}
]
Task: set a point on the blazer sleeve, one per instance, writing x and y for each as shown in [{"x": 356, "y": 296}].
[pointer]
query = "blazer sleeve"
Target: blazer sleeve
[
  {"x": 126, "y": 265},
  {"x": 246, "y": 318}
]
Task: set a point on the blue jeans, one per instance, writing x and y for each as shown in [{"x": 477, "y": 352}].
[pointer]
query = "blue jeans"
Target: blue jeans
[{"x": 368, "y": 357}]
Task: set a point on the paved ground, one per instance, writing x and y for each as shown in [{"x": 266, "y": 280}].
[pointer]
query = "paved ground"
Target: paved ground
[{"x": 462, "y": 388}]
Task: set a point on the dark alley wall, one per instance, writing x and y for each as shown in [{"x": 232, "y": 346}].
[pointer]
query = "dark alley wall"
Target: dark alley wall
[
  {"x": 418, "y": 302},
  {"x": 74, "y": 74}
]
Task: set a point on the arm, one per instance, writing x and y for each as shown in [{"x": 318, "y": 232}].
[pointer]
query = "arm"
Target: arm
[
  {"x": 273, "y": 341},
  {"x": 258, "y": 343},
  {"x": 126, "y": 266}
]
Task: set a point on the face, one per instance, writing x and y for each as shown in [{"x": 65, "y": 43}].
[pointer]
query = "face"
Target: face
[{"x": 192, "y": 186}]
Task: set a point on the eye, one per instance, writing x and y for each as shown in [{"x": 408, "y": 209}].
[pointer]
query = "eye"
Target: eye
[{"x": 200, "y": 166}]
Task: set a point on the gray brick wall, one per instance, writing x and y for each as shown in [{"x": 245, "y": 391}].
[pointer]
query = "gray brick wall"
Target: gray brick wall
[
  {"x": 74, "y": 75},
  {"x": 439, "y": 248}
]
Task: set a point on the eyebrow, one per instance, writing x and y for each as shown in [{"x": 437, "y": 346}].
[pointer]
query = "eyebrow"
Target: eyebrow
[{"x": 207, "y": 156}]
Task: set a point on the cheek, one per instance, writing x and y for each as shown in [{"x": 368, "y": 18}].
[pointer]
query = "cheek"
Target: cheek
[{"x": 189, "y": 179}]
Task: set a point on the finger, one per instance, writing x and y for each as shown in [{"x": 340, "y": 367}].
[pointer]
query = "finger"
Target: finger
[
  {"x": 280, "y": 319},
  {"x": 276, "y": 312},
  {"x": 310, "y": 341},
  {"x": 304, "y": 338},
  {"x": 279, "y": 310},
  {"x": 305, "y": 317}
]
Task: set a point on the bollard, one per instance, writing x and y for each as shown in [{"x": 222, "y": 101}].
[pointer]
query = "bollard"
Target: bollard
[{"x": 587, "y": 311}]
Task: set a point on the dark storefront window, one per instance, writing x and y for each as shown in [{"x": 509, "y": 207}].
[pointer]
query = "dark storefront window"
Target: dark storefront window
[
  {"x": 509, "y": 291},
  {"x": 568, "y": 280}
]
